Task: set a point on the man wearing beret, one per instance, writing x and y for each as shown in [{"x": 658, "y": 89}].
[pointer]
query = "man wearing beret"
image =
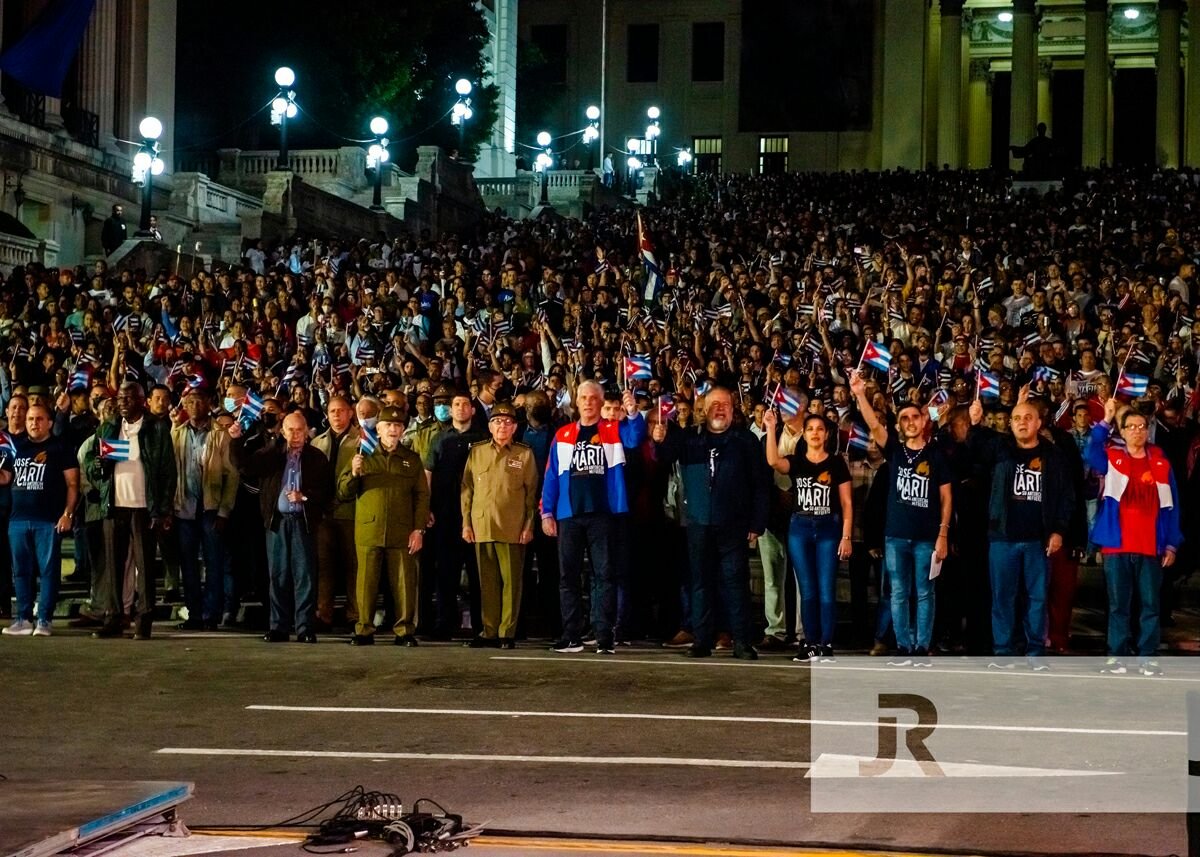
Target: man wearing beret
[{"x": 499, "y": 505}]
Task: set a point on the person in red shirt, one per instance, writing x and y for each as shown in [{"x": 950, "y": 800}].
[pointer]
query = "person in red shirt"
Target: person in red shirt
[{"x": 1137, "y": 529}]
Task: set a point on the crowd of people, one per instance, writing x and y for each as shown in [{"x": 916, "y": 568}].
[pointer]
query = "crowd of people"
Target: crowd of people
[{"x": 959, "y": 390}]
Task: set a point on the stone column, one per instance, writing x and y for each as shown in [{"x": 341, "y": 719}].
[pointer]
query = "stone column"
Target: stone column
[
  {"x": 1108, "y": 113},
  {"x": 904, "y": 27},
  {"x": 979, "y": 109},
  {"x": 933, "y": 64},
  {"x": 98, "y": 69},
  {"x": 1167, "y": 149},
  {"x": 1045, "y": 94},
  {"x": 1023, "y": 114},
  {"x": 1191, "y": 113},
  {"x": 949, "y": 147},
  {"x": 1095, "y": 82}
]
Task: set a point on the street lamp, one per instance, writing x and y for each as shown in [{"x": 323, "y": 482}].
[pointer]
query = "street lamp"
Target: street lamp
[
  {"x": 461, "y": 112},
  {"x": 146, "y": 165},
  {"x": 283, "y": 108},
  {"x": 377, "y": 156},
  {"x": 543, "y": 163},
  {"x": 591, "y": 133},
  {"x": 652, "y": 132},
  {"x": 684, "y": 159}
]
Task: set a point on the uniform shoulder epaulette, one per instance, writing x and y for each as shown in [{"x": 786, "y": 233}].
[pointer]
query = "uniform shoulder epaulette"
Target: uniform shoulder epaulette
[
  {"x": 480, "y": 443},
  {"x": 521, "y": 444}
]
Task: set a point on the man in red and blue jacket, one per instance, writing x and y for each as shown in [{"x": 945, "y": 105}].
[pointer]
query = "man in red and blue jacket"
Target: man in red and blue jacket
[
  {"x": 1137, "y": 529},
  {"x": 584, "y": 489}
]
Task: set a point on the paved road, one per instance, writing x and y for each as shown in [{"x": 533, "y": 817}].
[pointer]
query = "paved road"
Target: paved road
[{"x": 231, "y": 714}]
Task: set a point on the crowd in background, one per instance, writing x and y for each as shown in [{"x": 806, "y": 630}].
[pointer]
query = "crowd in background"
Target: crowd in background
[{"x": 857, "y": 297}]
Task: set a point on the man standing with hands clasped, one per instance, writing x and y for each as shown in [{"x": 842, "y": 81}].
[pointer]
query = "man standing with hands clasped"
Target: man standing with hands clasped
[
  {"x": 725, "y": 481},
  {"x": 1029, "y": 511},
  {"x": 1137, "y": 529},
  {"x": 499, "y": 506},
  {"x": 391, "y": 505}
]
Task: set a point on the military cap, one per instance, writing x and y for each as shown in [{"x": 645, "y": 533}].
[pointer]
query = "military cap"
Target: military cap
[
  {"x": 503, "y": 409},
  {"x": 391, "y": 414}
]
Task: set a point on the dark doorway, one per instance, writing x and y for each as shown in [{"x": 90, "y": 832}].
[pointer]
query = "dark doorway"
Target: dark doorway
[
  {"x": 1067, "y": 91},
  {"x": 1001, "y": 104},
  {"x": 1135, "y": 94}
]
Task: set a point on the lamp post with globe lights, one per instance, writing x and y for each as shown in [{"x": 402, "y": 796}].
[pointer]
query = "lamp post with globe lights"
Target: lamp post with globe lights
[
  {"x": 633, "y": 163},
  {"x": 146, "y": 165},
  {"x": 652, "y": 132},
  {"x": 461, "y": 113},
  {"x": 543, "y": 163},
  {"x": 377, "y": 156},
  {"x": 283, "y": 108},
  {"x": 591, "y": 133}
]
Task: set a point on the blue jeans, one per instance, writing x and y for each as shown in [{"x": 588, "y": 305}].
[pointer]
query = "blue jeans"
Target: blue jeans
[
  {"x": 35, "y": 553},
  {"x": 1016, "y": 568},
  {"x": 812, "y": 546},
  {"x": 908, "y": 569},
  {"x": 1124, "y": 573},
  {"x": 198, "y": 537},
  {"x": 290, "y": 557},
  {"x": 720, "y": 561},
  {"x": 595, "y": 533}
]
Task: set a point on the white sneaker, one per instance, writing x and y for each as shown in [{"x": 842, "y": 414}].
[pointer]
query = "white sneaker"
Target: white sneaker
[
  {"x": 1113, "y": 666},
  {"x": 20, "y": 628},
  {"x": 42, "y": 629}
]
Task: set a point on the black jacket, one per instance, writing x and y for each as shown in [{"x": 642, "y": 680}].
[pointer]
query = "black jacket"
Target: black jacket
[
  {"x": 268, "y": 465},
  {"x": 728, "y": 489}
]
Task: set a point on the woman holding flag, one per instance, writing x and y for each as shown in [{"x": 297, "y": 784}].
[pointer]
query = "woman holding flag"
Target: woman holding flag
[{"x": 820, "y": 529}]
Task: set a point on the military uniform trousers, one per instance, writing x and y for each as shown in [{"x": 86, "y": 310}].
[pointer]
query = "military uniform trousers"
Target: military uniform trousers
[
  {"x": 403, "y": 574},
  {"x": 501, "y": 574},
  {"x": 337, "y": 560}
]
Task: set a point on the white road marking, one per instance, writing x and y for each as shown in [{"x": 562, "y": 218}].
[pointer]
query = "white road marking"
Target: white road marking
[
  {"x": 801, "y": 669},
  {"x": 707, "y": 718},
  {"x": 838, "y": 766},
  {"x": 646, "y": 761}
]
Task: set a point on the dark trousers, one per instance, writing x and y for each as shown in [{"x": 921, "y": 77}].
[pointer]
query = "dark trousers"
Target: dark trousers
[
  {"x": 1060, "y": 598},
  {"x": 36, "y": 561},
  {"x": 337, "y": 568},
  {"x": 249, "y": 560},
  {"x": 199, "y": 537},
  {"x": 451, "y": 553},
  {"x": 593, "y": 533},
  {"x": 291, "y": 556},
  {"x": 1126, "y": 574},
  {"x": 6, "y": 570},
  {"x": 720, "y": 565},
  {"x": 540, "y": 614},
  {"x": 127, "y": 532}
]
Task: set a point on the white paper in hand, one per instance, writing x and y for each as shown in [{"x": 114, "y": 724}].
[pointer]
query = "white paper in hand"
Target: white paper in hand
[{"x": 935, "y": 566}]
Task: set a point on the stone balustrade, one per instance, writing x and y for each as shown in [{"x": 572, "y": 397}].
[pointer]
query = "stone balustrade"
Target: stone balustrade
[{"x": 15, "y": 251}]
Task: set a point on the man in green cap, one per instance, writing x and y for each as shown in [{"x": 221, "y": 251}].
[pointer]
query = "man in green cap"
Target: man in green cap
[
  {"x": 391, "y": 499},
  {"x": 499, "y": 505}
]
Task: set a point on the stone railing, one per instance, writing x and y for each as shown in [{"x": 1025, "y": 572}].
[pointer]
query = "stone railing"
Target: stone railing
[
  {"x": 336, "y": 170},
  {"x": 201, "y": 200},
  {"x": 16, "y": 251}
]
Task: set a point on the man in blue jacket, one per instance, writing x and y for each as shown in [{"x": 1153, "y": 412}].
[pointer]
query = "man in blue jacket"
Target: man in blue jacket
[
  {"x": 583, "y": 489},
  {"x": 725, "y": 486}
]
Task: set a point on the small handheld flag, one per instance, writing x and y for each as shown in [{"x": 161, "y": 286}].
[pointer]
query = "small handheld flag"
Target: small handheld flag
[
  {"x": 1133, "y": 386},
  {"x": 368, "y": 441},
  {"x": 666, "y": 408},
  {"x": 637, "y": 368},
  {"x": 860, "y": 438},
  {"x": 787, "y": 401},
  {"x": 989, "y": 385},
  {"x": 876, "y": 355},
  {"x": 81, "y": 378},
  {"x": 252, "y": 408},
  {"x": 114, "y": 450}
]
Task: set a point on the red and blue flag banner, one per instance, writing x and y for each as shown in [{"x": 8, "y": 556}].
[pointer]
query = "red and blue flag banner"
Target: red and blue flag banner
[
  {"x": 368, "y": 441},
  {"x": 650, "y": 262},
  {"x": 637, "y": 368},
  {"x": 1133, "y": 386},
  {"x": 114, "y": 450},
  {"x": 988, "y": 384},
  {"x": 876, "y": 355}
]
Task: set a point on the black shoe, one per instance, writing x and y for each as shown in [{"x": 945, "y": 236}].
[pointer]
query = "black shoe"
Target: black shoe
[
  {"x": 362, "y": 640},
  {"x": 697, "y": 651},
  {"x": 745, "y": 652},
  {"x": 109, "y": 631},
  {"x": 407, "y": 640},
  {"x": 275, "y": 637},
  {"x": 482, "y": 643},
  {"x": 507, "y": 643},
  {"x": 144, "y": 626},
  {"x": 309, "y": 637},
  {"x": 212, "y": 625},
  {"x": 190, "y": 625}
]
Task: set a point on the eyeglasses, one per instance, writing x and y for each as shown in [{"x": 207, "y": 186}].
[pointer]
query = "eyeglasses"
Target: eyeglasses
[{"x": 1137, "y": 427}]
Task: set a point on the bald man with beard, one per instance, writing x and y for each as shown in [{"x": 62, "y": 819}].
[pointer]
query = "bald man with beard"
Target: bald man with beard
[{"x": 1029, "y": 512}]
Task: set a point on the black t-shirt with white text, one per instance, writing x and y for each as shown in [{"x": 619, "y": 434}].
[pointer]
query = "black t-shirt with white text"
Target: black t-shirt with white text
[
  {"x": 817, "y": 485},
  {"x": 914, "y": 505},
  {"x": 1024, "y": 497},
  {"x": 39, "y": 491},
  {"x": 588, "y": 481}
]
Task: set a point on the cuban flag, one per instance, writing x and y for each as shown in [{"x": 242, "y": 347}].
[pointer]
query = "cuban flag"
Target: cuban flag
[
  {"x": 787, "y": 401},
  {"x": 989, "y": 385},
  {"x": 114, "y": 450},
  {"x": 170, "y": 328},
  {"x": 666, "y": 408},
  {"x": 1045, "y": 373},
  {"x": 6, "y": 444},
  {"x": 859, "y": 438},
  {"x": 876, "y": 355},
  {"x": 654, "y": 278},
  {"x": 252, "y": 406},
  {"x": 81, "y": 378},
  {"x": 1133, "y": 386},
  {"x": 368, "y": 440},
  {"x": 637, "y": 368},
  {"x": 939, "y": 398}
]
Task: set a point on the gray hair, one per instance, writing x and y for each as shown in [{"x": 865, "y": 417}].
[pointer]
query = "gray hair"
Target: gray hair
[
  {"x": 589, "y": 385},
  {"x": 372, "y": 401}
]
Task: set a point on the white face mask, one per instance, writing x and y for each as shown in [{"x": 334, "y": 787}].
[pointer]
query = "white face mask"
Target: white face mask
[{"x": 369, "y": 422}]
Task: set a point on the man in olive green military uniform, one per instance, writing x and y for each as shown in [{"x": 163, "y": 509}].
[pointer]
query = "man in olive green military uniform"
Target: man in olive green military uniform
[
  {"x": 337, "y": 555},
  {"x": 499, "y": 505},
  {"x": 422, "y": 440},
  {"x": 391, "y": 508}
]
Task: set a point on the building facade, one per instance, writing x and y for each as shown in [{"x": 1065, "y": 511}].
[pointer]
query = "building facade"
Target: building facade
[{"x": 873, "y": 84}]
